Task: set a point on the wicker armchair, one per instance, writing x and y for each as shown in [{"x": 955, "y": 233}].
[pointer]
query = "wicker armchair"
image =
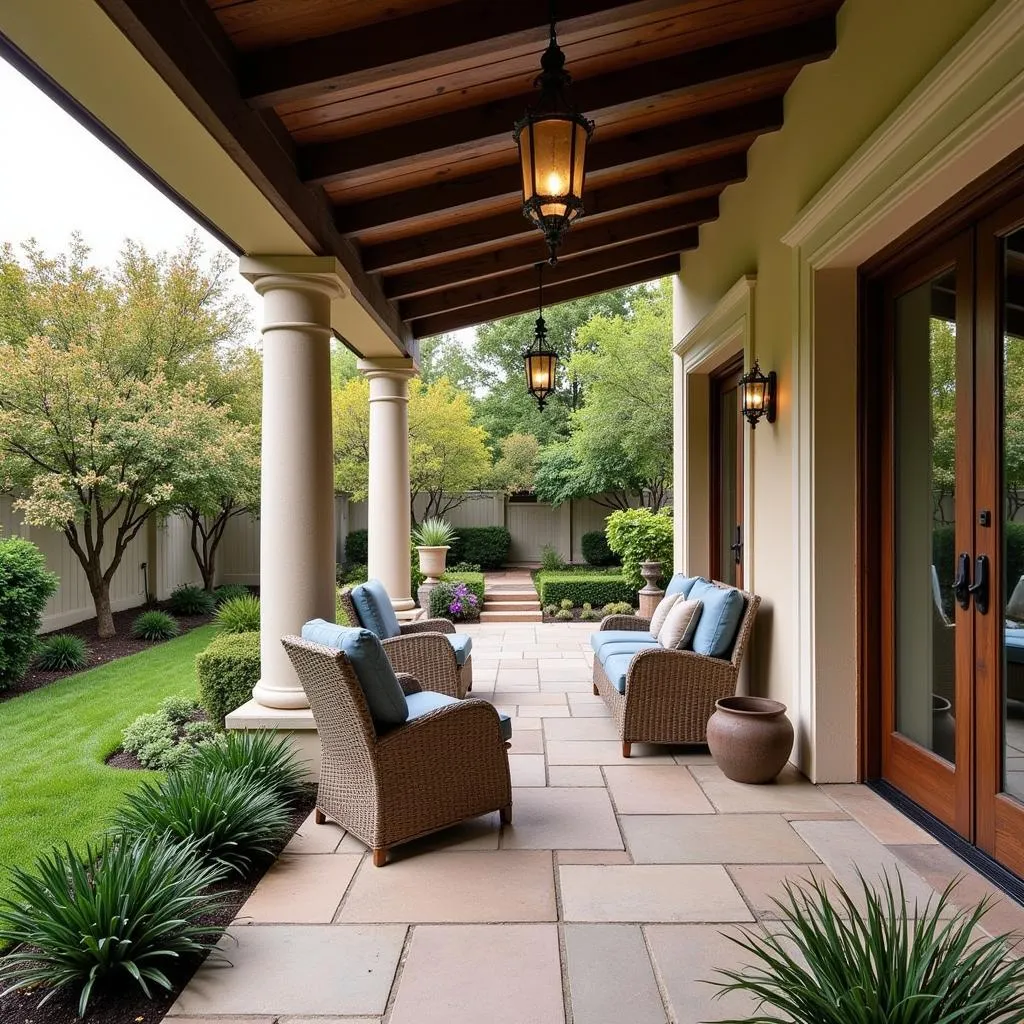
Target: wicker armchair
[
  {"x": 386, "y": 789},
  {"x": 422, "y": 651},
  {"x": 670, "y": 695}
]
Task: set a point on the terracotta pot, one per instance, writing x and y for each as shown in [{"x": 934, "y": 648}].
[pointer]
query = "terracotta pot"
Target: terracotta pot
[
  {"x": 432, "y": 561},
  {"x": 750, "y": 738}
]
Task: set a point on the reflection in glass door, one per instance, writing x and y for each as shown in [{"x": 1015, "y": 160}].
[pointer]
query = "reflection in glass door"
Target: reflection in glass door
[{"x": 727, "y": 476}]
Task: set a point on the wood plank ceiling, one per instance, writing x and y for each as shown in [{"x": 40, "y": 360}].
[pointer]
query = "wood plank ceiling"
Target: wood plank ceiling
[{"x": 383, "y": 130}]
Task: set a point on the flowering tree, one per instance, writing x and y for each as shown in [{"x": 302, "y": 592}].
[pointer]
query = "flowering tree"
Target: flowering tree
[{"x": 114, "y": 401}]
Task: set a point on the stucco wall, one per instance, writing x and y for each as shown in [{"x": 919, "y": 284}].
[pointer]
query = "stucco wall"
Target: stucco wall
[{"x": 884, "y": 50}]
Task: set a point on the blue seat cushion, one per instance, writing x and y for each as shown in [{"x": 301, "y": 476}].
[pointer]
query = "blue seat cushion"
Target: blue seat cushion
[
  {"x": 463, "y": 644},
  {"x": 375, "y": 611},
  {"x": 611, "y": 636},
  {"x": 624, "y": 647},
  {"x": 723, "y": 609},
  {"x": 1015, "y": 645},
  {"x": 681, "y": 584},
  {"x": 377, "y": 678},
  {"x": 615, "y": 668},
  {"x": 426, "y": 700}
]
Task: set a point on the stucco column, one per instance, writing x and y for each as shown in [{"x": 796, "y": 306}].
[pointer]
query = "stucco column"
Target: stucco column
[
  {"x": 388, "y": 514},
  {"x": 297, "y": 488}
]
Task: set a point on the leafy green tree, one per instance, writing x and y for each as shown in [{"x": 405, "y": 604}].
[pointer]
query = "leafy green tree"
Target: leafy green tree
[
  {"x": 448, "y": 453},
  {"x": 444, "y": 356},
  {"x": 116, "y": 391},
  {"x": 515, "y": 469}
]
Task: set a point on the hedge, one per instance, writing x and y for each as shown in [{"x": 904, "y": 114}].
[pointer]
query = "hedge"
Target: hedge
[
  {"x": 357, "y": 547},
  {"x": 25, "y": 587},
  {"x": 597, "y": 589},
  {"x": 595, "y": 549},
  {"x": 944, "y": 558},
  {"x": 486, "y": 546},
  {"x": 228, "y": 670}
]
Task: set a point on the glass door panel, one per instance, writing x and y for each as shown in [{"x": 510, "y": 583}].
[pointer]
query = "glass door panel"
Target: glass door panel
[{"x": 727, "y": 477}]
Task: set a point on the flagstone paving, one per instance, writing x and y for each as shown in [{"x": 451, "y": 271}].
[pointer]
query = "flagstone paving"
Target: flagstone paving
[{"x": 608, "y": 899}]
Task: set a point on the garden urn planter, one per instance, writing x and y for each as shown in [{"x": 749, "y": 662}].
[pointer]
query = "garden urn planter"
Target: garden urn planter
[
  {"x": 750, "y": 738},
  {"x": 651, "y": 594},
  {"x": 943, "y": 728},
  {"x": 432, "y": 562}
]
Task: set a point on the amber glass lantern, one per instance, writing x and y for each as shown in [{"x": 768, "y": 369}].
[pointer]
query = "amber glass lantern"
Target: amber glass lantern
[
  {"x": 552, "y": 140},
  {"x": 757, "y": 395},
  {"x": 540, "y": 361}
]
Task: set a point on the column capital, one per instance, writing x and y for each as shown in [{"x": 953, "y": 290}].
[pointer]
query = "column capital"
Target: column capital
[
  {"x": 323, "y": 274},
  {"x": 387, "y": 367}
]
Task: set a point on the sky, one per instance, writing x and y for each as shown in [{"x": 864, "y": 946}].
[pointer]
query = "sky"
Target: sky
[{"x": 105, "y": 199}]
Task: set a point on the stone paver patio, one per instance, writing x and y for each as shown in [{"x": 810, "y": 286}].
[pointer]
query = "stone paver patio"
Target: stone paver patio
[{"x": 603, "y": 903}]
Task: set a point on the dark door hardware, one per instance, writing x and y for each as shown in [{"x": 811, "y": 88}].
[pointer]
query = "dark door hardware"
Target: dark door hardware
[
  {"x": 979, "y": 589},
  {"x": 962, "y": 583},
  {"x": 737, "y": 545}
]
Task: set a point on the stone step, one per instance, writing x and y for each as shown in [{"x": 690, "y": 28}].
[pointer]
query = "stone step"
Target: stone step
[
  {"x": 532, "y": 616},
  {"x": 511, "y": 595},
  {"x": 496, "y": 604}
]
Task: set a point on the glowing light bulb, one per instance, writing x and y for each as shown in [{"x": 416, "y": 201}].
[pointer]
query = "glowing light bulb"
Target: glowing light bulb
[{"x": 555, "y": 184}]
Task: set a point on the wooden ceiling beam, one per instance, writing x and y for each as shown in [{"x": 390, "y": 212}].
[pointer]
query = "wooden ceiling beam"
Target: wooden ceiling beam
[
  {"x": 386, "y": 53},
  {"x": 461, "y": 130},
  {"x": 513, "y": 305},
  {"x": 740, "y": 124},
  {"x": 565, "y": 270},
  {"x": 582, "y": 239},
  {"x": 184, "y": 43},
  {"x": 676, "y": 186}
]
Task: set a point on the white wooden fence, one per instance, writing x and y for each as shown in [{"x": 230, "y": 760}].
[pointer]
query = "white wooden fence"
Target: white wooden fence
[{"x": 164, "y": 548}]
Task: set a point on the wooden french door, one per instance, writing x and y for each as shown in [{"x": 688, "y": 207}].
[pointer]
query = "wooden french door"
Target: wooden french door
[
  {"x": 727, "y": 475},
  {"x": 952, "y": 534}
]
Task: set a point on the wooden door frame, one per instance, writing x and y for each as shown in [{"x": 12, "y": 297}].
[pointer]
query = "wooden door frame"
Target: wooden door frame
[{"x": 722, "y": 375}]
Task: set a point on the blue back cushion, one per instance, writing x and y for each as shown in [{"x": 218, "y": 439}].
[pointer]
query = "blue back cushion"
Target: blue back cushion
[
  {"x": 375, "y": 611},
  {"x": 681, "y": 584},
  {"x": 377, "y": 678},
  {"x": 723, "y": 609}
]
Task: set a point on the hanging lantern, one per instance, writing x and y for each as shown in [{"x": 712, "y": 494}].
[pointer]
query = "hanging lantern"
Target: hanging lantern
[
  {"x": 757, "y": 395},
  {"x": 541, "y": 362},
  {"x": 552, "y": 140}
]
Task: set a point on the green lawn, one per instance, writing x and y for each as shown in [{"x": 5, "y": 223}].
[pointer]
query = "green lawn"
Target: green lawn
[{"x": 54, "y": 785}]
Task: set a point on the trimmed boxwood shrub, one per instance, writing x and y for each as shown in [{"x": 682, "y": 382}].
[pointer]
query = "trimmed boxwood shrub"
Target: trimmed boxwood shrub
[
  {"x": 487, "y": 546},
  {"x": 595, "y": 549},
  {"x": 357, "y": 547},
  {"x": 228, "y": 670},
  {"x": 25, "y": 587},
  {"x": 596, "y": 589}
]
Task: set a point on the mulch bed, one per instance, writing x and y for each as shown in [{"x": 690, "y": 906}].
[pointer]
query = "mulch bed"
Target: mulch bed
[
  {"x": 128, "y": 1005},
  {"x": 102, "y": 651}
]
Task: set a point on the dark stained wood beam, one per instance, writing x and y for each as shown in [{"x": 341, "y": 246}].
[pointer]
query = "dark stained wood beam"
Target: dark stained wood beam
[
  {"x": 690, "y": 182},
  {"x": 566, "y": 270},
  {"x": 454, "y": 132},
  {"x": 741, "y": 125},
  {"x": 581, "y": 240},
  {"x": 386, "y": 53},
  {"x": 183, "y": 42},
  {"x": 513, "y": 305}
]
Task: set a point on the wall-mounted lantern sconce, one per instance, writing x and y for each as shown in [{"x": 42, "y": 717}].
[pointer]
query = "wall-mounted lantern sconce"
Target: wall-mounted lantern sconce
[{"x": 757, "y": 394}]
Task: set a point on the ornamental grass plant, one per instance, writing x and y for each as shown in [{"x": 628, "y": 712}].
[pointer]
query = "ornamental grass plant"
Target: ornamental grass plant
[
  {"x": 239, "y": 615},
  {"x": 840, "y": 958},
  {"x": 124, "y": 912},
  {"x": 155, "y": 625},
  {"x": 434, "y": 533},
  {"x": 191, "y": 600},
  {"x": 263, "y": 757},
  {"x": 64, "y": 652}
]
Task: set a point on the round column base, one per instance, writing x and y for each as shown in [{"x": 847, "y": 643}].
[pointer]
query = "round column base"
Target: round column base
[{"x": 283, "y": 697}]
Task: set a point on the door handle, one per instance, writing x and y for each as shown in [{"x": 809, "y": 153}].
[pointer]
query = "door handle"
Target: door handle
[
  {"x": 737, "y": 545},
  {"x": 962, "y": 583},
  {"x": 979, "y": 589}
]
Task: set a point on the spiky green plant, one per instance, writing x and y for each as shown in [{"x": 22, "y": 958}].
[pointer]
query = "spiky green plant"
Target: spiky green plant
[
  {"x": 239, "y": 615},
  {"x": 191, "y": 600},
  {"x": 155, "y": 625},
  {"x": 122, "y": 912},
  {"x": 229, "y": 820},
  {"x": 265, "y": 757},
  {"x": 434, "y": 533},
  {"x": 837, "y": 959},
  {"x": 229, "y": 590},
  {"x": 62, "y": 653}
]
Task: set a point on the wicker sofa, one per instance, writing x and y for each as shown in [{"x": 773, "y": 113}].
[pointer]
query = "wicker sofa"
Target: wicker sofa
[
  {"x": 665, "y": 696},
  {"x": 389, "y": 783},
  {"x": 429, "y": 649}
]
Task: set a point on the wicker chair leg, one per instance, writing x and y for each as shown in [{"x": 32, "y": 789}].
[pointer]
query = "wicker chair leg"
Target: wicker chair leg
[
  {"x": 380, "y": 856},
  {"x": 506, "y": 814},
  {"x": 319, "y": 817},
  {"x": 627, "y": 746}
]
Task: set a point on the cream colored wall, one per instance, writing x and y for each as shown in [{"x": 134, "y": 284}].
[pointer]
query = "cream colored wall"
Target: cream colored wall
[{"x": 884, "y": 50}]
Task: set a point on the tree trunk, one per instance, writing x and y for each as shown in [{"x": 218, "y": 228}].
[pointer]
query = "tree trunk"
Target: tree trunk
[{"x": 100, "y": 589}]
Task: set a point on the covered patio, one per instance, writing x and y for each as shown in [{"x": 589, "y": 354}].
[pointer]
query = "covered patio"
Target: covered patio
[{"x": 605, "y": 901}]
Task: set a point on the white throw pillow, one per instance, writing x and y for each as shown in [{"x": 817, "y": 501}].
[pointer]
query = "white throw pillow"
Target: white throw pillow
[
  {"x": 665, "y": 605},
  {"x": 1015, "y": 606},
  {"x": 680, "y": 625}
]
